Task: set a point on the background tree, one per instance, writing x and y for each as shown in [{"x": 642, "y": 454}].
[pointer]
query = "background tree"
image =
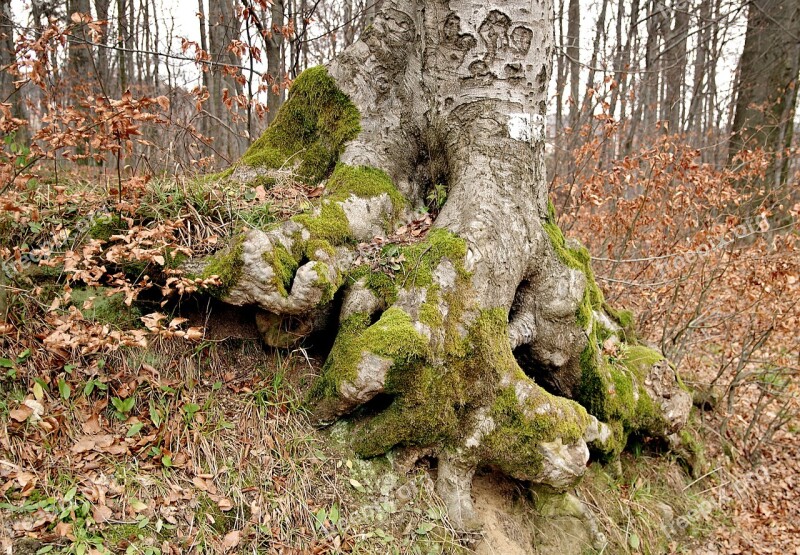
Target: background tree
[{"x": 766, "y": 89}]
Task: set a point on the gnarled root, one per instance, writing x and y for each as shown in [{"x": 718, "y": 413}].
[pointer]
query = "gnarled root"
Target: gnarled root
[{"x": 425, "y": 353}]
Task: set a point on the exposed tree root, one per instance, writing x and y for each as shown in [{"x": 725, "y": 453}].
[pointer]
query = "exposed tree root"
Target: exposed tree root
[{"x": 434, "y": 339}]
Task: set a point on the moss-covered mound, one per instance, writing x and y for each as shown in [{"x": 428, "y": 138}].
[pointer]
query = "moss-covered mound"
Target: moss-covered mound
[
  {"x": 310, "y": 129},
  {"x": 611, "y": 385}
]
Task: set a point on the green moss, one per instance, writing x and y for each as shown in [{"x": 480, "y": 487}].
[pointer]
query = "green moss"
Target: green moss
[
  {"x": 313, "y": 246},
  {"x": 106, "y": 309},
  {"x": 283, "y": 265},
  {"x": 429, "y": 312},
  {"x": 692, "y": 453},
  {"x": 514, "y": 444},
  {"x": 392, "y": 336},
  {"x": 221, "y": 521},
  {"x": 329, "y": 225},
  {"x": 213, "y": 178},
  {"x": 310, "y": 129},
  {"x": 365, "y": 182},
  {"x": 422, "y": 258},
  {"x": 173, "y": 260},
  {"x": 105, "y": 226},
  {"x": 422, "y": 413},
  {"x": 265, "y": 181},
  {"x": 639, "y": 359},
  {"x": 579, "y": 259},
  {"x": 227, "y": 266},
  {"x": 624, "y": 319},
  {"x": 376, "y": 281},
  {"x": 323, "y": 282},
  {"x": 611, "y": 390},
  {"x": 41, "y": 274},
  {"x": 115, "y": 534},
  {"x": 432, "y": 403}
]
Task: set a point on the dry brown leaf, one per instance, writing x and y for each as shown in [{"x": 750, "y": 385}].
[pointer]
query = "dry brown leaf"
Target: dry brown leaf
[
  {"x": 83, "y": 445},
  {"x": 64, "y": 530},
  {"x": 92, "y": 425},
  {"x": 20, "y": 414},
  {"x": 231, "y": 539},
  {"x": 101, "y": 513}
]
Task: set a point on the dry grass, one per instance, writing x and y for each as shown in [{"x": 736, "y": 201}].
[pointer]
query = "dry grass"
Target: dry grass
[{"x": 244, "y": 469}]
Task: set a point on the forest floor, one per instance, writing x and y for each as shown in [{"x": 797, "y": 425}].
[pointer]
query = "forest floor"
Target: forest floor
[{"x": 135, "y": 420}]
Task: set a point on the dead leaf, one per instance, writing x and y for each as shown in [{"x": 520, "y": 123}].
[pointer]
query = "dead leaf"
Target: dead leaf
[
  {"x": 20, "y": 414},
  {"x": 36, "y": 407},
  {"x": 64, "y": 529},
  {"x": 232, "y": 539},
  {"x": 101, "y": 513},
  {"x": 92, "y": 425},
  {"x": 225, "y": 504}
]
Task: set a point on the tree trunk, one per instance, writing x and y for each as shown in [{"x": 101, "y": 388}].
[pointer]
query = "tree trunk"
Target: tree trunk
[
  {"x": 489, "y": 341},
  {"x": 767, "y": 84},
  {"x": 573, "y": 47},
  {"x": 79, "y": 51},
  {"x": 274, "y": 44},
  {"x": 101, "y": 7},
  {"x": 7, "y": 53},
  {"x": 223, "y": 27},
  {"x": 122, "y": 57},
  {"x": 675, "y": 59}
]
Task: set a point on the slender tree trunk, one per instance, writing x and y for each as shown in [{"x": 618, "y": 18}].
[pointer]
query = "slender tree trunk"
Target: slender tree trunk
[
  {"x": 274, "y": 59},
  {"x": 79, "y": 53},
  {"x": 7, "y": 53},
  {"x": 122, "y": 32},
  {"x": 101, "y": 7},
  {"x": 561, "y": 70},
  {"x": 223, "y": 27},
  {"x": 675, "y": 60},
  {"x": 767, "y": 84},
  {"x": 694, "y": 117},
  {"x": 573, "y": 48}
]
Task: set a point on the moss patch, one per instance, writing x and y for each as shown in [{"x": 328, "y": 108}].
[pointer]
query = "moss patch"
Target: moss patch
[
  {"x": 105, "y": 226},
  {"x": 310, "y": 129},
  {"x": 610, "y": 388},
  {"x": 227, "y": 266},
  {"x": 330, "y": 224},
  {"x": 624, "y": 319},
  {"x": 365, "y": 182},
  {"x": 514, "y": 445},
  {"x": 422, "y": 258},
  {"x": 284, "y": 265},
  {"x": 106, "y": 309},
  {"x": 578, "y": 258},
  {"x": 392, "y": 336}
]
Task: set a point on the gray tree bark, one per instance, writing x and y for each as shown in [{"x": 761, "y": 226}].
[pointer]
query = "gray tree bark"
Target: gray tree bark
[
  {"x": 7, "y": 51},
  {"x": 101, "y": 8},
  {"x": 488, "y": 346},
  {"x": 766, "y": 90},
  {"x": 274, "y": 43},
  {"x": 79, "y": 51},
  {"x": 223, "y": 27},
  {"x": 573, "y": 48}
]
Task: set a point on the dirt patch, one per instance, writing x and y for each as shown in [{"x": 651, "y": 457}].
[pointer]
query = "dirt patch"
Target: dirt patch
[{"x": 507, "y": 525}]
